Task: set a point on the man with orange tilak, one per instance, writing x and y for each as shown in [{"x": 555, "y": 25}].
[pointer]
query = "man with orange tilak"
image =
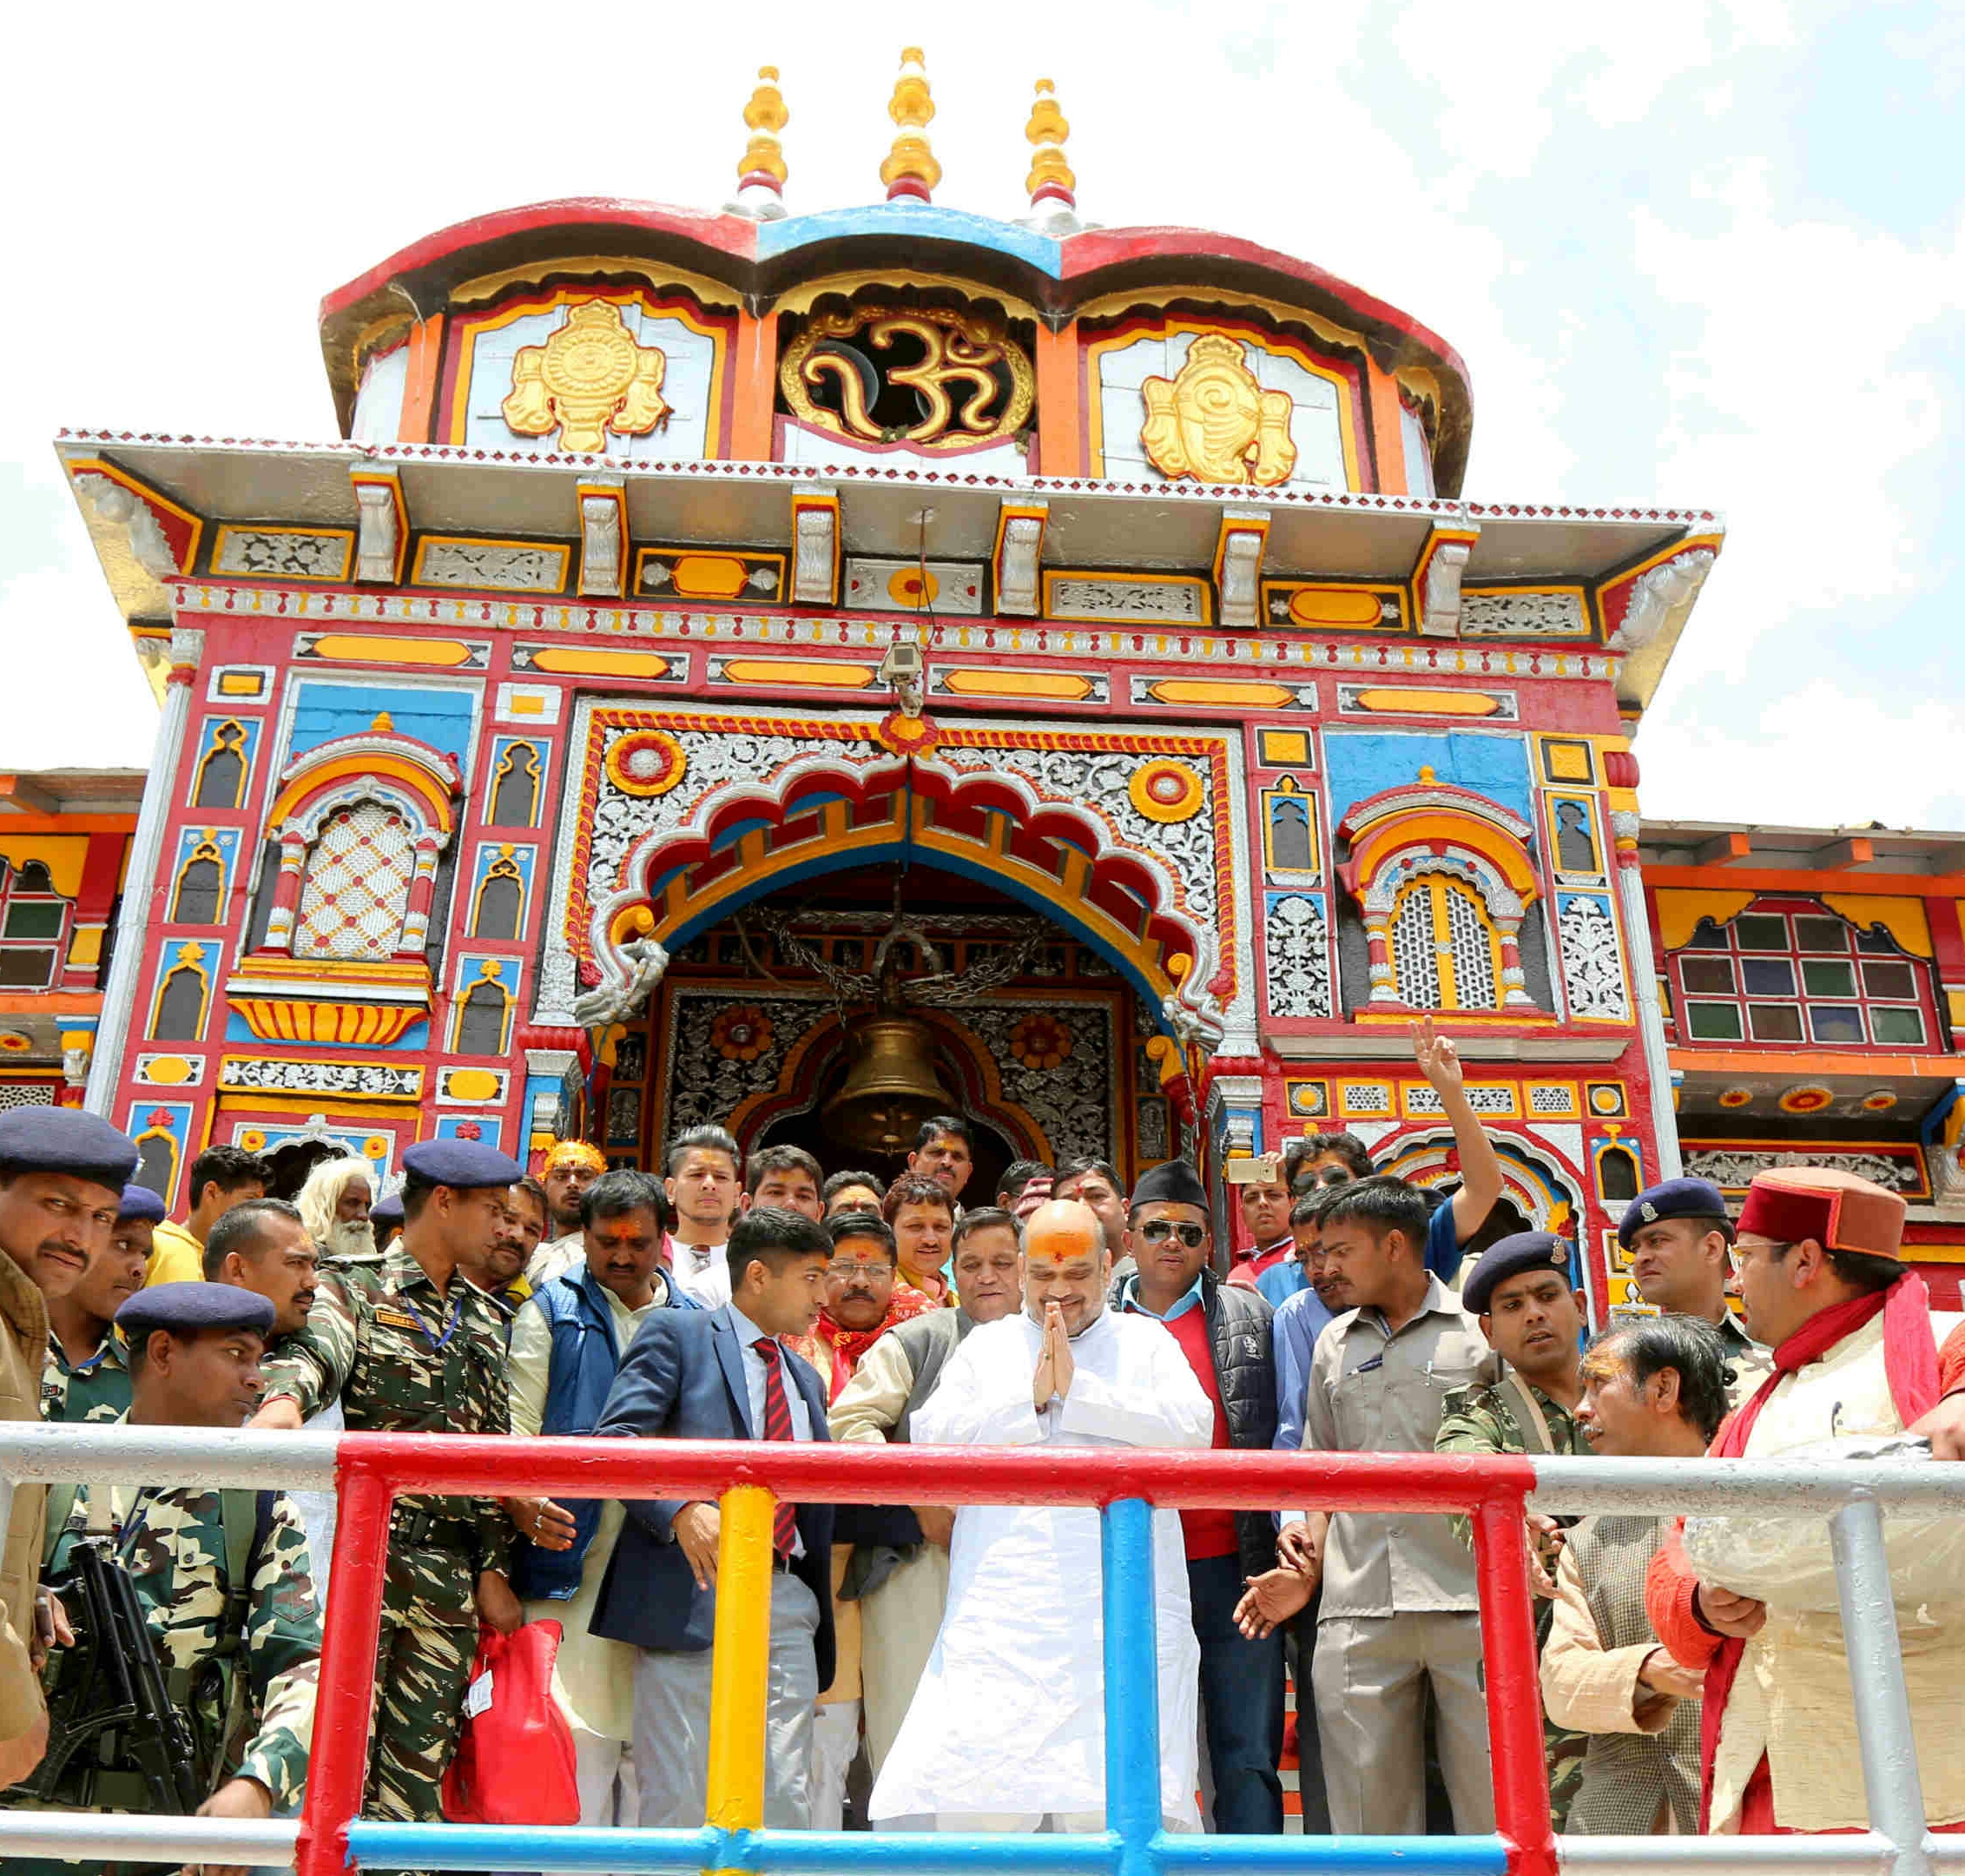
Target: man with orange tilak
[
  {"x": 570, "y": 1166},
  {"x": 1008, "y": 1725},
  {"x": 1855, "y": 1352},
  {"x": 922, "y": 1213}
]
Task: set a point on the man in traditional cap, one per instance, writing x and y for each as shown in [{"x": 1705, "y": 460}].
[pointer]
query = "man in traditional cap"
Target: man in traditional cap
[
  {"x": 1678, "y": 1238},
  {"x": 62, "y": 1176},
  {"x": 900, "y": 1581},
  {"x": 1008, "y": 1724},
  {"x": 408, "y": 1346},
  {"x": 570, "y": 1166},
  {"x": 1224, "y": 1333},
  {"x": 223, "y": 1575},
  {"x": 87, "y": 1378},
  {"x": 1855, "y": 1352}
]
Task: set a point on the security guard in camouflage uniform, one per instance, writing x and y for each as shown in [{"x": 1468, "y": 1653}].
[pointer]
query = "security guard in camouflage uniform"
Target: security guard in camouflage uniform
[
  {"x": 221, "y": 1577},
  {"x": 408, "y": 1346},
  {"x": 1524, "y": 1400},
  {"x": 87, "y": 1378}
]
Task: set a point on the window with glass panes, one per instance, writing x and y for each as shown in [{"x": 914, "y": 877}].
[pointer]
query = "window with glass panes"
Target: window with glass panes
[
  {"x": 1799, "y": 976},
  {"x": 34, "y": 922}
]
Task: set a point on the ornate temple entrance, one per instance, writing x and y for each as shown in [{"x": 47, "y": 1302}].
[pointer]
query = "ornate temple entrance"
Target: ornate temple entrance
[{"x": 834, "y": 1014}]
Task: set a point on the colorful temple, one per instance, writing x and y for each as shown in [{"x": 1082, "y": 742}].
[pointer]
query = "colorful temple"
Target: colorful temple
[{"x": 806, "y": 671}]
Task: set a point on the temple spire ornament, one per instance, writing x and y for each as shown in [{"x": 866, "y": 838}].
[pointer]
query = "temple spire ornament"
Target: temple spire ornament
[
  {"x": 910, "y": 171},
  {"x": 760, "y": 169},
  {"x": 1051, "y": 186}
]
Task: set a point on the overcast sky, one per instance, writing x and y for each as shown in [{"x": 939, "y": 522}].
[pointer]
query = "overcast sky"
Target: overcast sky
[{"x": 1693, "y": 255}]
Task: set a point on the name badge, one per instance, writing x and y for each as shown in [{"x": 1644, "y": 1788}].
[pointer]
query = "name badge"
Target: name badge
[{"x": 391, "y": 1319}]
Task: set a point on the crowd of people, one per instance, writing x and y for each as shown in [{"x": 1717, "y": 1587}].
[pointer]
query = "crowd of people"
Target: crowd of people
[{"x": 933, "y": 1670}]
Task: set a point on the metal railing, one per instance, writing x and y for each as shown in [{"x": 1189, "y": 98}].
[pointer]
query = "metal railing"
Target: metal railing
[{"x": 370, "y": 1470}]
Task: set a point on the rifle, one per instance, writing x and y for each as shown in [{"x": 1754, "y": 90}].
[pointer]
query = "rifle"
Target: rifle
[{"x": 110, "y": 1718}]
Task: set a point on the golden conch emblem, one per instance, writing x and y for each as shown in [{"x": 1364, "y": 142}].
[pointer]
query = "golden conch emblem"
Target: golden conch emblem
[
  {"x": 1214, "y": 422},
  {"x": 588, "y": 378}
]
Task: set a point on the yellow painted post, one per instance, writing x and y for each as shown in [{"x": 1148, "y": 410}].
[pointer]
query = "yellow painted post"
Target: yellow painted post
[{"x": 740, "y": 1667}]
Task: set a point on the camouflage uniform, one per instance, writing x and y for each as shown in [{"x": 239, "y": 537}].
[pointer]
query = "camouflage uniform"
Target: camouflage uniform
[
  {"x": 85, "y": 1393},
  {"x": 1484, "y": 1419},
  {"x": 402, "y": 1359}
]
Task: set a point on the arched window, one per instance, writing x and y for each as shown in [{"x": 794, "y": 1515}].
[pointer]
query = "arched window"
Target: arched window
[
  {"x": 1289, "y": 834},
  {"x": 33, "y": 920},
  {"x": 201, "y": 885},
  {"x": 514, "y": 787},
  {"x": 1617, "y": 1175},
  {"x": 180, "y": 1004},
  {"x": 480, "y": 1026},
  {"x": 1445, "y": 953},
  {"x": 501, "y": 900},
  {"x": 355, "y": 888},
  {"x": 1576, "y": 846},
  {"x": 156, "y": 1163},
  {"x": 221, "y": 772}
]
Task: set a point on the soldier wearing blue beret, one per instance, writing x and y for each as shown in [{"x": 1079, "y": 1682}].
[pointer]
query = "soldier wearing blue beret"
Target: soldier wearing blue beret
[
  {"x": 1678, "y": 1238},
  {"x": 86, "y": 1378},
  {"x": 406, "y": 1345}
]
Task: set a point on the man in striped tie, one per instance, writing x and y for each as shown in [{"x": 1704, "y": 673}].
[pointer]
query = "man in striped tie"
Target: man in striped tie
[{"x": 723, "y": 1374}]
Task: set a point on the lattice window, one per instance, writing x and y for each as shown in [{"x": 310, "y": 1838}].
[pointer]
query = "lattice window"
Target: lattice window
[
  {"x": 1800, "y": 976},
  {"x": 356, "y": 890},
  {"x": 34, "y": 926},
  {"x": 1445, "y": 953}
]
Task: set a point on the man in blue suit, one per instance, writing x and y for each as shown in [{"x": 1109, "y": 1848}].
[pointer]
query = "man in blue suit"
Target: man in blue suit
[{"x": 723, "y": 1374}]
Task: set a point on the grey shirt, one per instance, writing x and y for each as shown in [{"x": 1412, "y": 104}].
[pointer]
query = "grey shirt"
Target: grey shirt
[{"x": 1371, "y": 1392}]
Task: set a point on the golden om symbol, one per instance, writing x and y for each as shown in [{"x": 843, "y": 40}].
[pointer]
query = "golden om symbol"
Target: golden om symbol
[{"x": 1215, "y": 422}]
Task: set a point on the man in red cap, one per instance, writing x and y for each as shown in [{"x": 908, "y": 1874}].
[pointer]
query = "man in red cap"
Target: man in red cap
[{"x": 1855, "y": 1352}]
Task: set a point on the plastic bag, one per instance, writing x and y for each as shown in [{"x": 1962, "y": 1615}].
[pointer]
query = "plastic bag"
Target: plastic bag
[
  {"x": 514, "y": 1761},
  {"x": 1786, "y": 1562}
]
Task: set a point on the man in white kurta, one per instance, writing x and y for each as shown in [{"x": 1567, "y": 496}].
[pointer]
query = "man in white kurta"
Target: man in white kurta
[{"x": 1008, "y": 1725}]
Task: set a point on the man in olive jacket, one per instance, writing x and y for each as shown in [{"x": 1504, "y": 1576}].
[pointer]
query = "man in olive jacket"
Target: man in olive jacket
[{"x": 1224, "y": 1331}]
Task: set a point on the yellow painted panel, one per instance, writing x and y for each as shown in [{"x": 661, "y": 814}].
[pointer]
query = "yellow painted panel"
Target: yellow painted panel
[
  {"x": 1285, "y": 749},
  {"x": 241, "y": 684},
  {"x": 63, "y": 854},
  {"x": 347, "y": 649},
  {"x": 709, "y": 577},
  {"x": 564, "y": 661},
  {"x": 168, "y": 1071},
  {"x": 471, "y": 1084},
  {"x": 1679, "y": 913},
  {"x": 87, "y": 946},
  {"x": 1206, "y": 690},
  {"x": 1344, "y": 606},
  {"x": 799, "y": 672},
  {"x": 1903, "y": 919},
  {"x": 1434, "y": 703},
  {"x": 1061, "y": 685}
]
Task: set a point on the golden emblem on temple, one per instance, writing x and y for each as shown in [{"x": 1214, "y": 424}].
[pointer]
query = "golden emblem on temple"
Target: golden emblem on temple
[
  {"x": 929, "y": 375},
  {"x": 1214, "y": 422},
  {"x": 588, "y": 378}
]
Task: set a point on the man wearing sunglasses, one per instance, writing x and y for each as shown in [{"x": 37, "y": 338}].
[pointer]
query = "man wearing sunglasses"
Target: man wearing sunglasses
[{"x": 1224, "y": 1332}]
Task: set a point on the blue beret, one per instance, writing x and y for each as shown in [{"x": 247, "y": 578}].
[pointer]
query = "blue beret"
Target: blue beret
[
  {"x": 465, "y": 1164},
  {"x": 386, "y": 1211},
  {"x": 1675, "y": 1198},
  {"x": 185, "y": 1308},
  {"x": 1525, "y": 1251},
  {"x": 65, "y": 1140},
  {"x": 140, "y": 1202}
]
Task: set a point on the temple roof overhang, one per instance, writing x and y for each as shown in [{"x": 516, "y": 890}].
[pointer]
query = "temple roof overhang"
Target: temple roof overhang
[{"x": 1844, "y": 852}]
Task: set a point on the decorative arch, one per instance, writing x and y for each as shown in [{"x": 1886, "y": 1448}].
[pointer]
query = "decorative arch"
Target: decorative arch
[
  {"x": 1548, "y": 1191},
  {"x": 360, "y": 822},
  {"x": 201, "y": 884},
  {"x": 223, "y": 768},
  {"x": 1444, "y": 879}
]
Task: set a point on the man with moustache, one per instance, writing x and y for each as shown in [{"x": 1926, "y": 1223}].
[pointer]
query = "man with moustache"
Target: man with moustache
[
  {"x": 569, "y": 1167},
  {"x": 61, "y": 1176},
  {"x": 786, "y": 1176},
  {"x": 498, "y": 1270},
  {"x": 922, "y": 1213},
  {"x": 87, "y": 1378},
  {"x": 944, "y": 1151},
  {"x": 1678, "y": 1239},
  {"x": 900, "y": 1581},
  {"x": 1007, "y": 1726},
  {"x": 334, "y": 1204}
]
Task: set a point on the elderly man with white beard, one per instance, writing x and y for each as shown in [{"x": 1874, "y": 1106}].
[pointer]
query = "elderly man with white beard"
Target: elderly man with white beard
[
  {"x": 334, "y": 1206},
  {"x": 1008, "y": 1724}
]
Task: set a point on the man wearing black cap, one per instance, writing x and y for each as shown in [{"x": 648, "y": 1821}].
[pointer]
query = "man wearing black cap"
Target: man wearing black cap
[
  {"x": 1678, "y": 1238},
  {"x": 87, "y": 1378},
  {"x": 223, "y": 1575},
  {"x": 62, "y": 1176},
  {"x": 1524, "y": 1400},
  {"x": 1224, "y": 1333},
  {"x": 408, "y": 1346}
]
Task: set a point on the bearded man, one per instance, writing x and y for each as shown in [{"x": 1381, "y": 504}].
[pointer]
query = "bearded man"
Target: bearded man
[{"x": 334, "y": 1206}]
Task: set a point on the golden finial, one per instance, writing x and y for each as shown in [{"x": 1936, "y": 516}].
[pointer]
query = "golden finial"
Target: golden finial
[
  {"x": 1050, "y": 177},
  {"x": 910, "y": 168},
  {"x": 383, "y": 722},
  {"x": 762, "y": 165}
]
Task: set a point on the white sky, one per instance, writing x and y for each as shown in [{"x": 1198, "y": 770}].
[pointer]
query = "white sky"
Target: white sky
[{"x": 1693, "y": 255}]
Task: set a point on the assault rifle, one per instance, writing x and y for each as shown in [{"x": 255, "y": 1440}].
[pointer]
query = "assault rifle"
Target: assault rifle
[{"x": 110, "y": 1719}]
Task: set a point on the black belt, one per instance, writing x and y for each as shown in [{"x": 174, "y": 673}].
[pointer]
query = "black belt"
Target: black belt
[
  {"x": 432, "y": 1530},
  {"x": 787, "y": 1563}
]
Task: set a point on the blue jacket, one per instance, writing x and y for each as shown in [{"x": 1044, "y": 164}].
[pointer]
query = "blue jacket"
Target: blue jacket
[
  {"x": 684, "y": 1379},
  {"x": 580, "y": 1373}
]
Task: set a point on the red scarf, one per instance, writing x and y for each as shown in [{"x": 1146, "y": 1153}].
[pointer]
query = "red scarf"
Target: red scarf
[
  {"x": 847, "y": 1345},
  {"x": 1910, "y": 1363}
]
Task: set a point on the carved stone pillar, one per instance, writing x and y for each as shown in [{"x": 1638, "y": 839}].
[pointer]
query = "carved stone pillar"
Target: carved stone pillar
[
  {"x": 287, "y": 892},
  {"x": 422, "y": 891}
]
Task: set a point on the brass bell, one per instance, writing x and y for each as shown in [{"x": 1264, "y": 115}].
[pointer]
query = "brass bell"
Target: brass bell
[{"x": 891, "y": 1087}]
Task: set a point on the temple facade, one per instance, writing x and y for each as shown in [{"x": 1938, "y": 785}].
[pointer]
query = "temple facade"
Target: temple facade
[{"x": 805, "y": 671}]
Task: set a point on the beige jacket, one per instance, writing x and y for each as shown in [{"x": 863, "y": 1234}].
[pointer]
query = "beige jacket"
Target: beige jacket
[
  {"x": 1586, "y": 1686},
  {"x": 24, "y": 1348}
]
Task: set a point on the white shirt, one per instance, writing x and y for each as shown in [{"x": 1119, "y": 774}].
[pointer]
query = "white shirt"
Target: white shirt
[
  {"x": 701, "y": 1271},
  {"x": 747, "y": 1333}
]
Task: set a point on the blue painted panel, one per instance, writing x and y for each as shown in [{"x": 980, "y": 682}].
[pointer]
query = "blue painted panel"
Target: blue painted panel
[
  {"x": 922, "y": 220},
  {"x": 1368, "y": 762},
  {"x": 441, "y": 718}
]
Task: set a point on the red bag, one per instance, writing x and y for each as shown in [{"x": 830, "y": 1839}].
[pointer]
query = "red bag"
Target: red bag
[{"x": 514, "y": 1760}]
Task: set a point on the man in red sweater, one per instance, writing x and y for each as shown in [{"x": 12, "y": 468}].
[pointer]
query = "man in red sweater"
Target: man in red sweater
[{"x": 1225, "y": 1335}]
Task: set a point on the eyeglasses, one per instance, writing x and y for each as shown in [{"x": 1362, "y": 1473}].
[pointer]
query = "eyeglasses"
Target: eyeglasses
[
  {"x": 857, "y": 1269},
  {"x": 1736, "y": 1257},
  {"x": 1193, "y": 1236},
  {"x": 1331, "y": 1175}
]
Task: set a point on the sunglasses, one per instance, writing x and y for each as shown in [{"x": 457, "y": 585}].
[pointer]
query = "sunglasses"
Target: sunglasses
[{"x": 1193, "y": 1236}]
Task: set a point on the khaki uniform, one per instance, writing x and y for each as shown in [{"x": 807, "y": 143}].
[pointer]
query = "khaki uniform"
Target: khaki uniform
[{"x": 23, "y": 1347}]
